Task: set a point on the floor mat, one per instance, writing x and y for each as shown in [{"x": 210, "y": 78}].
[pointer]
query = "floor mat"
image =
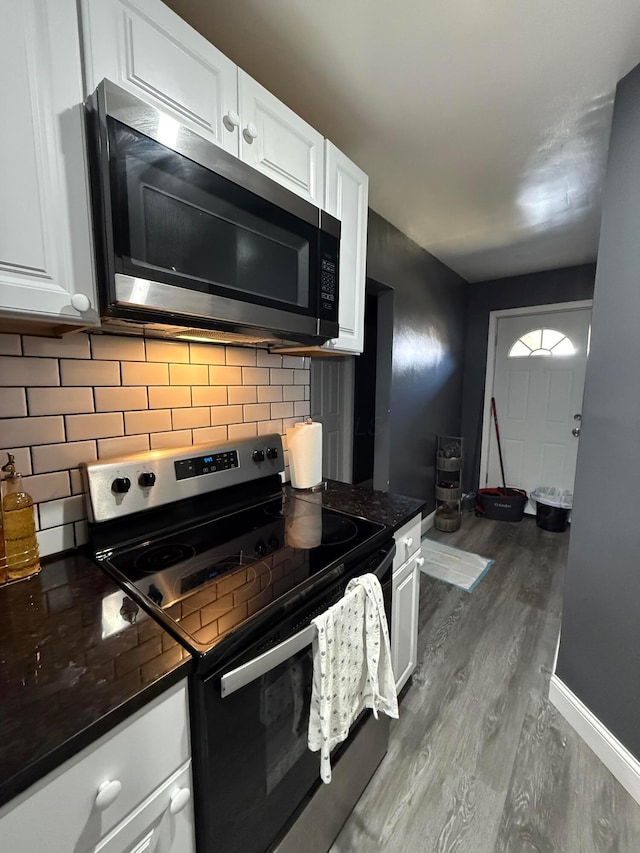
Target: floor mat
[{"x": 459, "y": 568}]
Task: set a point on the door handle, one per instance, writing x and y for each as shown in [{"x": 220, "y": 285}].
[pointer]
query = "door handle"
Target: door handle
[
  {"x": 577, "y": 416},
  {"x": 576, "y": 431}
]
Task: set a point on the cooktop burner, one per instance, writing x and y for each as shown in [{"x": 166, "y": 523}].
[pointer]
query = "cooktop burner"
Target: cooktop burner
[{"x": 159, "y": 557}]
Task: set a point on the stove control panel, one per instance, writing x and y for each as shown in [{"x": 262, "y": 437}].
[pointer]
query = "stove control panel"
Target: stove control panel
[{"x": 129, "y": 484}]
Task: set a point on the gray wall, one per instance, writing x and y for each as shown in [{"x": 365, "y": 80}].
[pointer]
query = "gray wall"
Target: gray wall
[
  {"x": 429, "y": 308},
  {"x": 599, "y": 656},
  {"x": 543, "y": 288}
]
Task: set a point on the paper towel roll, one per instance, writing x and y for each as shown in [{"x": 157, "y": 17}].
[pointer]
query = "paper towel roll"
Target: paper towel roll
[
  {"x": 304, "y": 524},
  {"x": 305, "y": 454}
]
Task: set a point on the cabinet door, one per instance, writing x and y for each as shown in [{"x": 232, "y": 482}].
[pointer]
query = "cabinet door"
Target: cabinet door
[
  {"x": 404, "y": 623},
  {"x": 46, "y": 256},
  {"x": 279, "y": 143},
  {"x": 347, "y": 198},
  {"x": 145, "y": 47}
]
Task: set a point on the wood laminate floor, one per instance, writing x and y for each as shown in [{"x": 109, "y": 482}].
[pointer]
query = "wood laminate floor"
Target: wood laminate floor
[{"x": 479, "y": 761}]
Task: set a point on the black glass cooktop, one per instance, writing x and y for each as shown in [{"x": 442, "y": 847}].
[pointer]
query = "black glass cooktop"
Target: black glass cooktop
[{"x": 209, "y": 579}]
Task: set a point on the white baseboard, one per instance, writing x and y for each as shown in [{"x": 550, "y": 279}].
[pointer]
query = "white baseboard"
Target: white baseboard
[
  {"x": 427, "y": 523},
  {"x": 616, "y": 757}
]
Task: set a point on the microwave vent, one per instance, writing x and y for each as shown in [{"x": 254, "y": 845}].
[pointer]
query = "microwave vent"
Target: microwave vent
[{"x": 217, "y": 336}]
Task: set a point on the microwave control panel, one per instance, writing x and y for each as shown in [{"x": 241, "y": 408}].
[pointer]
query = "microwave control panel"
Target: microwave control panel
[{"x": 328, "y": 291}]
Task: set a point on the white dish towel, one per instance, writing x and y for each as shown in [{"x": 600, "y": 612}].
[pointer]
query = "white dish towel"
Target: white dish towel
[{"x": 351, "y": 667}]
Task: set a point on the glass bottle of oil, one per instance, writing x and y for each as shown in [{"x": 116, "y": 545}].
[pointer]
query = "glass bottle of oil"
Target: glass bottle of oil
[
  {"x": 21, "y": 545},
  {"x": 3, "y": 559}
]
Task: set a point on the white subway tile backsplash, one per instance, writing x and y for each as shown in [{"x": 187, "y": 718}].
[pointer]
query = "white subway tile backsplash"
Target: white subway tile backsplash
[
  {"x": 307, "y": 392},
  {"x": 69, "y": 400},
  {"x": 136, "y": 373},
  {"x": 240, "y": 356},
  {"x": 10, "y": 345},
  {"x": 210, "y": 435},
  {"x": 171, "y": 439},
  {"x": 59, "y": 401},
  {"x": 47, "y": 487},
  {"x": 70, "y": 346},
  {"x": 89, "y": 373},
  {"x": 153, "y": 420},
  {"x": 61, "y": 457},
  {"x": 168, "y": 351},
  {"x": 117, "y": 348},
  {"x": 23, "y": 372},
  {"x": 81, "y": 530},
  {"x": 237, "y": 431},
  {"x": 120, "y": 399},
  {"x": 287, "y": 423},
  {"x": 64, "y": 511},
  {"x": 188, "y": 374},
  {"x": 169, "y": 397},
  {"x": 103, "y": 425},
  {"x": 23, "y": 432},
  {"x": 206, "y": 354},
  {"x": 242, "y": 394},
  {"x": 226, "y": 415},
  {"x": 270, "y": 393},
  {"x": 110, "y": 447},
  {"x": 13, "y": 403},
  {"x": 188, "y": 418},
  {"x": 227, "y": 376}
]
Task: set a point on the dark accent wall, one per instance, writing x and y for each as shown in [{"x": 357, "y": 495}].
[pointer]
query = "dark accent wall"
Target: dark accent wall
[
  {"x": 599, "y": 657},
  {"x": 429, "y": 308},
  {"x": 543, "y": 288}
]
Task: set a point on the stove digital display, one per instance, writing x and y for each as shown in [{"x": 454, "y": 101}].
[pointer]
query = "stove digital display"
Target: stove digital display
[{"x": 186, "y": 468}]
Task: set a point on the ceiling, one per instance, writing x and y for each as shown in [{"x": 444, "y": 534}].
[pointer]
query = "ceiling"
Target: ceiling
[{"x": 483, "y": 124}]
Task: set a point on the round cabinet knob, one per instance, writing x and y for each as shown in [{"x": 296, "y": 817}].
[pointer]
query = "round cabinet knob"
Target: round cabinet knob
[
  {"x": 121, "y": 485},
  {"x": 179, "y": 800},
  {"x": 231, "y": 120},
  {"x": 261, "y": 549},
  {"x": 408, "y": 541},
  {"x": 107, "y": 794},
  {"x": 272, "y": 452},
  {"x": 258, "y": 455},
  {"x": 250, "y": 132},
  {"x": 147, "y": 479},
  {"x": 420, "y": 562},
  {"x": 80, "y": 302}
]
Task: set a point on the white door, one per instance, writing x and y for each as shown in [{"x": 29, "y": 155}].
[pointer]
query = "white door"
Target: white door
[
  {"x": 46, "y": 256},
  {"x": 346, "y": 198},
  {"x": 538, "y": 383},
  {"x": 278, "y": 142},
  {"x": 332, "y": 405}
]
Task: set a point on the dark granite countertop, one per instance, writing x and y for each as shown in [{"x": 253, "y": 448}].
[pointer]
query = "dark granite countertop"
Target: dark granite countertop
[
  {"x": 71, "y": 668},
  {"x": 384, "y": 507}
]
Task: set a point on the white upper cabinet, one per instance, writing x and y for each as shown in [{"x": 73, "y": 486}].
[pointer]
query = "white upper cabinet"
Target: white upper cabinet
[
  {"x": 278, "y": 142},
  {"x": 145, "y": 47},
  {"x": 46, "y": 255},
  {"x": 347, "y": 198}
]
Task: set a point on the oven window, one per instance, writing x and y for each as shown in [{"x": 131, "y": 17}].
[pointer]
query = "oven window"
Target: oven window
[
  {"x": 178, "y": 222},
  {"x": 260, "y": 768}
]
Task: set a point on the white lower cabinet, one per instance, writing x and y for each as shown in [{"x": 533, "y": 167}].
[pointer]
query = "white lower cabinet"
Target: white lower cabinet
[
  {"x": 129, "y": 792},
  {"x": 46, "y": 254},
  {"x": 406, "y": 599}
]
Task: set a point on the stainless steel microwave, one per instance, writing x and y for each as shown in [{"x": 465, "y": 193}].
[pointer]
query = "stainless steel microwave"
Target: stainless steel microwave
[{"x": 192, "y": 242}]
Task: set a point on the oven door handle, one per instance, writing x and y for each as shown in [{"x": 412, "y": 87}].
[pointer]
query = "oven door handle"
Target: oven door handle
[{"x": 238, "y": 678}]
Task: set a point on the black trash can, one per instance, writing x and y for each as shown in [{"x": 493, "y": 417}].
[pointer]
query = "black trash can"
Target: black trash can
[{"x": 554, "y": 518}]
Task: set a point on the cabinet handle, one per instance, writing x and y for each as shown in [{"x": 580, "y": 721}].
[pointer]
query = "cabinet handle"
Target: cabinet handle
[
  {"x": 231, "y": 120},
  {"x": 80, "y": 302},
  {"x": 420, "y": 562},
  {"x": 107, "y": 794},
  {"x": 250, "y": 132},
  {"x": 179, "y": 800},
  {"x": 408, "y": 541}
]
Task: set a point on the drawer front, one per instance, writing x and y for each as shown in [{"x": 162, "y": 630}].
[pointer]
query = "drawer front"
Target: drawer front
[
  {"x": 407, "y": 541},
  {"x": 139, "y": 755}
]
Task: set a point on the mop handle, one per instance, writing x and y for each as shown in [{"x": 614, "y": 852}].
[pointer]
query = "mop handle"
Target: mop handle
[{"x": 495, "y": 420}]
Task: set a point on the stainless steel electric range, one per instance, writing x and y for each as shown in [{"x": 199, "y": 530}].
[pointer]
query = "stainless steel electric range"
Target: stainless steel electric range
[{"x": 204, "y": 540}]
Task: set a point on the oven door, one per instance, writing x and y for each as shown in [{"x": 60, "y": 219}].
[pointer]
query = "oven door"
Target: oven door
[{"x": 257, "y": 772}]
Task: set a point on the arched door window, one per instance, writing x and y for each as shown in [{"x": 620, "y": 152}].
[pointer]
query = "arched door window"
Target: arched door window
[{"x": 542, "y": 342}]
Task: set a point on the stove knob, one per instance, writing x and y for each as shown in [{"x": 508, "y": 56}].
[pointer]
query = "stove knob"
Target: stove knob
[
  {"x": 147, "y": 479},
  {"x": 121, "y": 485},
  {"x": 258, "y": 455},
  {"x": 261, "y": 549},
  {"x": 272, "y": 452}
]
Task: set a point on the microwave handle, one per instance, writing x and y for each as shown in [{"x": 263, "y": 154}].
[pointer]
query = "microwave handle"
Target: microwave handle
[{"x": 238, "y": 678}]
